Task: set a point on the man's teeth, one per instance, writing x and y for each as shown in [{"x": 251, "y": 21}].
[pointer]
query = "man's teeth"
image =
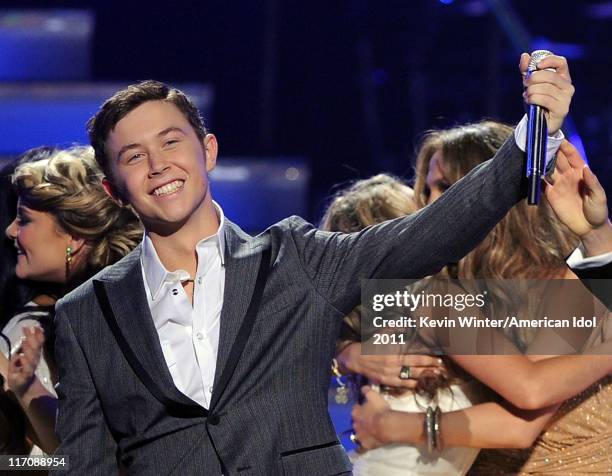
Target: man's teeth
[{"x": 168, "y": 188}]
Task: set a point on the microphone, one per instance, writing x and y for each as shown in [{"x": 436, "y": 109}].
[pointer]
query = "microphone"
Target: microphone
[{"x": 537, "y": 136}]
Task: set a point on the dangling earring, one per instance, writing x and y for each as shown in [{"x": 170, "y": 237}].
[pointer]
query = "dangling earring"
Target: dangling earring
[{"x": 68, "y": 260}]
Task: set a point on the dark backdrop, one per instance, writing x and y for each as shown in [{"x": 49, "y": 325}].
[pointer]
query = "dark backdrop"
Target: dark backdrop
[{"x": 352, "y": 84}]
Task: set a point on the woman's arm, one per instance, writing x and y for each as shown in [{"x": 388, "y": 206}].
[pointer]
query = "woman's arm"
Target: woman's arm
[
  {"x": 533, "y": 385},
  {"x": 3, "y": 366},
  {"x": 479, "y": 426},
  {"x": 525, "y": 384},
  {"x": 38, "y": 404},
  {"x": 40, "y": 408},
  {"x": 385, "y": 369}
]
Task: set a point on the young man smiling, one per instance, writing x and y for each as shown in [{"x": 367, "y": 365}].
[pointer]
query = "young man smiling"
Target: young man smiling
[
  {"x": 159, "y": 164},
  {"x": 206, "y": 350}
]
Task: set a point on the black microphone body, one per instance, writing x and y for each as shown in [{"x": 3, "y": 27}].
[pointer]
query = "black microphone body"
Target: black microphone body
[{"x": 537, "y": 137}]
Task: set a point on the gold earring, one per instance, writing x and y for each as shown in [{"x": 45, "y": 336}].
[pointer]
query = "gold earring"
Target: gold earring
[{"x": 68, "y": 259}]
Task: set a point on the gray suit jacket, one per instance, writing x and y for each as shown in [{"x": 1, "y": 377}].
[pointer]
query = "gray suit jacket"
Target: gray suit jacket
[{"x": 268, "y": 416}]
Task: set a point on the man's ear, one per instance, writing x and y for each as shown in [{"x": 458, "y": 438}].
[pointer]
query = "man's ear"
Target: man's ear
[
  {"x": 211, "y": 148},
  {"x": 110, "y": 190}
]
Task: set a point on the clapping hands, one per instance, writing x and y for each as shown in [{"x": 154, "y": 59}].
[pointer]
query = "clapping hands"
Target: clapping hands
[{"x": 23, "y": 364}]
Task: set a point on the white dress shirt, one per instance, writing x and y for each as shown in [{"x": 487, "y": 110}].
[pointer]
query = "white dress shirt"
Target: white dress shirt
[
  {"x": 577, "y": 260},
  {"x": 552, "y": 144},
  {"x": 189, "y": 335}
]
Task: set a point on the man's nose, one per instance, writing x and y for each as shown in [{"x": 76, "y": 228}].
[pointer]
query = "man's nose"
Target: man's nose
[{"x": 157, "y": 163}]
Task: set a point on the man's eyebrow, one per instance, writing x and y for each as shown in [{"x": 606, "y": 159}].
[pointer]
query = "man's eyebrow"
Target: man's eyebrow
[
  {"x": 170, "y": 129},
  {"x": 167, "y": 130},
  {"x": 125, "y": 148}
]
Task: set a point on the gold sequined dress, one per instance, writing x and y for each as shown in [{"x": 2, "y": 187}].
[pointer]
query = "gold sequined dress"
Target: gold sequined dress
[{"x": 578, "y": 442}]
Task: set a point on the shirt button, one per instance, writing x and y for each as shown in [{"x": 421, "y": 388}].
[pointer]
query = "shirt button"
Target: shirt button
[
  {"x": 210, "y": 389},
  {"x": 200, "y": 336},
  {"x": 175, "y": 292},
  {"x": 200, "y": 280}
]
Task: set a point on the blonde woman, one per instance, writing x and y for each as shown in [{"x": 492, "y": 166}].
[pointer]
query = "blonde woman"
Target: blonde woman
[
  {"x": 364, "y": 203},
  {"x": 66, "y": 229}
]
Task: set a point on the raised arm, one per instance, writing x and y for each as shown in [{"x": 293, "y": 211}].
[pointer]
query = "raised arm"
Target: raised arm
[
  {"x": 421, "y": 244},
  {"x": 81, "y": 427},
  {"x": 417, "y": 245}
]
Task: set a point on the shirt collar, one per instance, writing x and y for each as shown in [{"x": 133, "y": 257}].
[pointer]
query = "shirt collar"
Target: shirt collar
[{"x": 155, "y": 272}]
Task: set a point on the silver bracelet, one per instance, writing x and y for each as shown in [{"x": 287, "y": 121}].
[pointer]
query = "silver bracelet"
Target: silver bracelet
[
  {"x": 429, "y": 429},
  {"x": 436, "y": 429}
]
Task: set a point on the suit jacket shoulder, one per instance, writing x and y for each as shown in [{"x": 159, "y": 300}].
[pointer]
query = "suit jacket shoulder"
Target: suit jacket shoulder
[{"x": 84, "y": 294}]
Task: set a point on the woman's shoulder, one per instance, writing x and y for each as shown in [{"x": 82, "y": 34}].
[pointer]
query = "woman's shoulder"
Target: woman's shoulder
[
  {"x": 33, "y": 311},
  {"x": 30, "y": 314}
]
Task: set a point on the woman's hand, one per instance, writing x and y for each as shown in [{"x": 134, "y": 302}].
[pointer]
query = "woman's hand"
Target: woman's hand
[
  {"x": 401, "y": 371},
  {"x": 23, "y": 364},
  {"x": 367, "y": 420},
  {"x": 579, "y": 201},
  {"x": 575, "y": 194}
]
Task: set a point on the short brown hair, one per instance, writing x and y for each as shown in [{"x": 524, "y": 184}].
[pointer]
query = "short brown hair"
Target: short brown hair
[{"x": 126, "y": 100}]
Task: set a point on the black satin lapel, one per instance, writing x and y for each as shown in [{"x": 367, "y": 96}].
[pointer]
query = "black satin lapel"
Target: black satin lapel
[
  {"x": 241, "y": 266},
  {"x": 131, "y": 311}
]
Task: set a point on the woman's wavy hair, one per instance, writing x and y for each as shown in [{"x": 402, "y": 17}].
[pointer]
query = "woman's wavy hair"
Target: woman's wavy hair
[
  {"x": 68, "y": 186},
  {"x": 529, "y": 242},
  {"x": 367, "y": 202}
]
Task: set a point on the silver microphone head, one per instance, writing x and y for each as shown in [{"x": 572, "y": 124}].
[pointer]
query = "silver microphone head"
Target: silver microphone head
[{"x": 536, "y": 57}]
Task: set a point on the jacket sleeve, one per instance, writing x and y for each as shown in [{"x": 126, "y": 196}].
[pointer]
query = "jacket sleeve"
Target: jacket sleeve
[
  {"x": 418, "y": 245},
  {"x": 81, "y": 427}
]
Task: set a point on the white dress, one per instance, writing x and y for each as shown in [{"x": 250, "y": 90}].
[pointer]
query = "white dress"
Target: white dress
[
  {"x": 30, "y": 316},
  {"x": 408, "y": 460}
]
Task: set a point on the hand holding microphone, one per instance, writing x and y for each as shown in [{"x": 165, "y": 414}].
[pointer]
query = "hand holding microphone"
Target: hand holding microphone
[{"x": 548, "y": 92}]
